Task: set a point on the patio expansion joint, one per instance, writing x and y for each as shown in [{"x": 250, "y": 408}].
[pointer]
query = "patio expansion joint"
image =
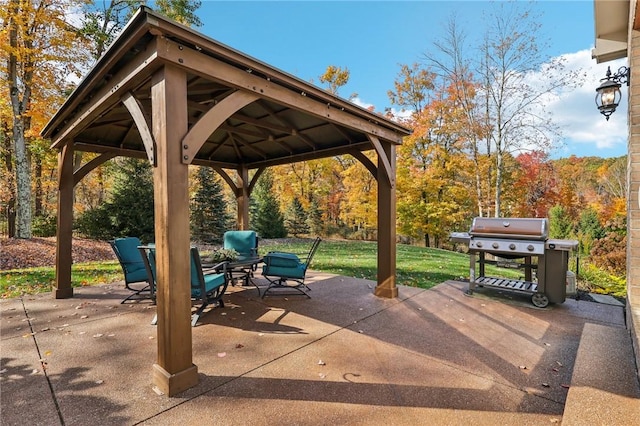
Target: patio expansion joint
[{"x": 43, "y": 365}]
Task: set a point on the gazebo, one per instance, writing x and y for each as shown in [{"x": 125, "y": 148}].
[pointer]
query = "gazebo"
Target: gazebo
[{"x": 175, "y": 97}]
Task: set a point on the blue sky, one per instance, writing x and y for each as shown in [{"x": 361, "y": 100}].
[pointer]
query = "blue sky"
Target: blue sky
[{"x": 371, "y": 39}]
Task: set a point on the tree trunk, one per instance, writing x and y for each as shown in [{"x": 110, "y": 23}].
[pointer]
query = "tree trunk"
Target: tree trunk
[
  {"x": 37, "y": 208},
  {"x": 23, "y": 182},
  {"x": 498, "y": 182},
  {"x": 8, "y": 163},
  {"x": 19, "y": 106}
]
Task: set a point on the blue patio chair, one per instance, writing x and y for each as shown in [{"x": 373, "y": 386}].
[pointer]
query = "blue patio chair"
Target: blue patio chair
[
  {"x": 207, "y": 287},
  {"x": 244, "y": 242},
  {"x": 133, "y": 267},
  {"x": 287, "y": 270}
]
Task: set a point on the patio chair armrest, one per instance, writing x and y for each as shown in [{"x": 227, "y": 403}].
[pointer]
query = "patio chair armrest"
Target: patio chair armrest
[{"x": 220, "y": 267}]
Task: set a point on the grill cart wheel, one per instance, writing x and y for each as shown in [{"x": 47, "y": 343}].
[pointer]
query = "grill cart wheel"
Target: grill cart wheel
[{"x": 540, "y": 300}]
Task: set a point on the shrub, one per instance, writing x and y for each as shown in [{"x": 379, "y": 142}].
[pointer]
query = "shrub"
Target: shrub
[{"x": 44, "y": 226}]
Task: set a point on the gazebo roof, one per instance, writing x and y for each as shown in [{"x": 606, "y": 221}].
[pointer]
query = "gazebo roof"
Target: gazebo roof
[{"x": 283, "y": 120}]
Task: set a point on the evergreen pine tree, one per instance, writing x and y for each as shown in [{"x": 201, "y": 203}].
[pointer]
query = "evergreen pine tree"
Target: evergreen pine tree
[
  {"x": 314, "y": 218},
  {"x": 209, "y": 216},
  {"x": 129, "y": 212},
  {"x": 296, "y": 218},
  {"x": 560, "y": 225},
  {"x": 266, "y": 217},
  {"x": 131, "y": 206}
]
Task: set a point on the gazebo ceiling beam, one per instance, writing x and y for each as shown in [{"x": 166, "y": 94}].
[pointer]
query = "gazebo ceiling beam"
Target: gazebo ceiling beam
[
  {"x": 294, "y": 131},
  {"x": 260, "y": 123},
  {"x": 248, "y": 145},
  {"x": 312, "y": 155}
]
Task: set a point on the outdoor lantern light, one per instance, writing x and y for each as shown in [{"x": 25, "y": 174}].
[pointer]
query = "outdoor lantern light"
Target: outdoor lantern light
[{"x": 608, "y": 94}]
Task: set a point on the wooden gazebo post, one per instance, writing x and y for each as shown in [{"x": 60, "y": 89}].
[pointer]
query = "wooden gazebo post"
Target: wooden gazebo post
[
  {"x": 242, "y": 198},
  {"x": 386, "y": 219},
  {"x": 63, "y": 289},
  {"x": 174, "y": 371}
]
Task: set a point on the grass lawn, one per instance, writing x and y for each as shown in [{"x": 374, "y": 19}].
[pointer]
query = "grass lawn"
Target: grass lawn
[
  {"x": 16, "y": 282},
  {"x": 416, "y": 266}
]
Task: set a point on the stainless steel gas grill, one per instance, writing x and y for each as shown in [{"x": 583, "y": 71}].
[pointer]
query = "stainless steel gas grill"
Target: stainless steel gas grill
[{"x": 508, "y": 240}]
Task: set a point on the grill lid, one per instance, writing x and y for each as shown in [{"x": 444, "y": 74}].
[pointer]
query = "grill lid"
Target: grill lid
[{"x": 497, "y": 227}]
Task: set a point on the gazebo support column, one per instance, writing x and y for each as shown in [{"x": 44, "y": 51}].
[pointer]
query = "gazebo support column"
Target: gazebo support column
[
  {"x": 386, "y": 222},
  {"x": 174, "y": 371},
  {"x": 63, "y": 289},
  {"x": 242, "y": 198}
]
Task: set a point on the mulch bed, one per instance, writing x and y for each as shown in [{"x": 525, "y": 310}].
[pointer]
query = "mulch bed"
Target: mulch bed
[{"x": 16, "y": 253}]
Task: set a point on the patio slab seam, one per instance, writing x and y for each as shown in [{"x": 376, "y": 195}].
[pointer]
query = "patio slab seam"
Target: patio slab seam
[{"x": 34, "y": 339}]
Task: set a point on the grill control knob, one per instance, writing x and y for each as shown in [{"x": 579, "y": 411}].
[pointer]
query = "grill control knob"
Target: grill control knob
[
  {"x": 495, "y": 245},
  {"x": 479, "y": 244},
  {"x": 512, "y": 246},
  {"x": 530, "y": 247}
]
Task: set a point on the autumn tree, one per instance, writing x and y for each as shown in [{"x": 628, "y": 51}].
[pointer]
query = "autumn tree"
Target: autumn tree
[
  {"x": 536, "y": 185},
  {"x": 359, "y": 207},
  {"x": 335, "y": 77},
  {"x": 512, "y": 51},
  {"x": 508, "y": 105},
  {"x": 452, "y": 65},
  {"x": 39, "y": 49},
  {"x": 411, "y": 89}
]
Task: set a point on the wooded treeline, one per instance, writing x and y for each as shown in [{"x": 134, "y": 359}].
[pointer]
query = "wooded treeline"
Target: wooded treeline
[{"x": 479, "y": 147}]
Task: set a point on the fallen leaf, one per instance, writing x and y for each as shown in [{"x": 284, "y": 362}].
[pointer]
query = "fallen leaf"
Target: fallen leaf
[
  {"x": 546, "y": 385},
  {"x": 547, "y": 344},
  {"x": 84, "y": 317},
  {"x": 97, "y": 335},
  {"x": 45, "y": 329},
  {"x": 222, "y": 354},
  {"x": 566, "y": 386},
  {"x": 559, "y": 363},
  {"x": 523, "y": 367},
  {"x": 322, "y": 375},
  {"x": 239, "y": 346},
  {"x": 47, "y": 353},
  {"x": 157, "y": 390},
  {"x": 99, "y": 382},
  {"x": 321, "y": 362},
  {"x": 555, "y": 369}
]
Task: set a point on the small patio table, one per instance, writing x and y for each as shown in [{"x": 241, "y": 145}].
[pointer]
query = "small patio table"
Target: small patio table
[{"x": 241, "y": 269}]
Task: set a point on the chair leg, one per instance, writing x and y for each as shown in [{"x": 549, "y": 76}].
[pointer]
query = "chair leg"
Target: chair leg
[
  {"x": 136, "y": 295},
  {"x": 282, "y": 283}
]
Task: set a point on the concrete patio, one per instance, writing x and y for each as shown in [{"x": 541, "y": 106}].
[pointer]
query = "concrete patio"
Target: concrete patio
[{"x": 344, "y": 356}]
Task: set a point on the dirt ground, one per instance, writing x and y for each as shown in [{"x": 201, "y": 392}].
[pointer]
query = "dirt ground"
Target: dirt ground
[{"x": 20, "y": 253}]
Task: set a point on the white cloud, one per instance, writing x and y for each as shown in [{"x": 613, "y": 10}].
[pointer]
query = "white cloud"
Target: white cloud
[
  {"x": 396, "y": 112},
  {"x": 585, "y": 130}
]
